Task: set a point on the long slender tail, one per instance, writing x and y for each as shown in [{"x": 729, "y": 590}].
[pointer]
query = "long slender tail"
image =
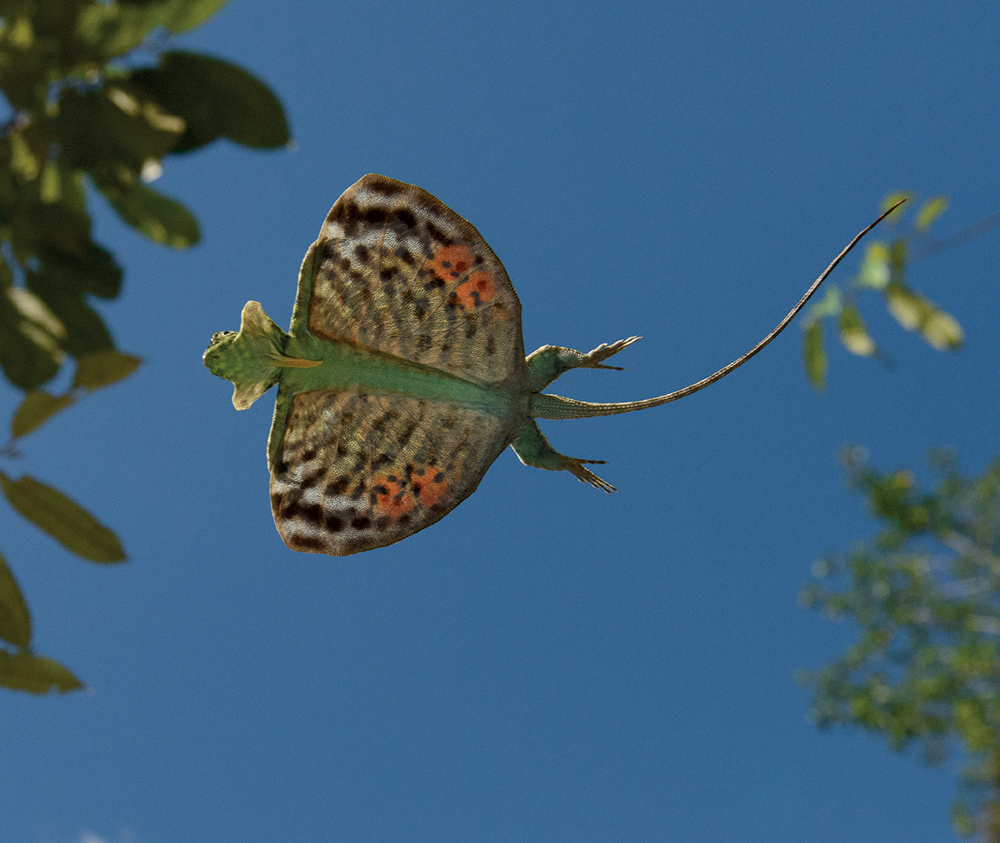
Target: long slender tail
[{"x": 557, "y": 407}]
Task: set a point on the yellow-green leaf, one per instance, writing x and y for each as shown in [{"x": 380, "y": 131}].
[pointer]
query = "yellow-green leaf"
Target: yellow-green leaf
[
  {"x": 35, "y": 674},
  {"x": 187, "y": 14},
  {"x": 103, "y": 368},
  {"x": 942, "y": 330},
  {"x": 917, "y": 313},
  {"x": 875, "y": 272},
  {"x": 37, "y": 408},
  {"x": 63, "y": 519},
  {"x": 906, "y": 307},
  {"x": 853, "y": 333},
  {"x": 891, "y": 200},
  {"x": 815, "y": 356},
  {"x": 829, "y": 305},
  {"x": 15, "y": 622},
  {"x": 930, "y": 211}
]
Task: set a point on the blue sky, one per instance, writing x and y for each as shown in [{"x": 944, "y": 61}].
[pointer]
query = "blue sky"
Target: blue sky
[{"x": 547, "y": 663}]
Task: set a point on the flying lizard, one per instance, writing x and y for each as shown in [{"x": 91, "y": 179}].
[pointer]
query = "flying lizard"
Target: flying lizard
[{"x": 403, "y": 374}]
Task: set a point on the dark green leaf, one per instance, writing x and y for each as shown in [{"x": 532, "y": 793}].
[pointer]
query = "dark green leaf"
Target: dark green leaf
[
  {"x": 37, "y": 408},
  {"x": 103, "y": 368},
  {"x": 15, "y": 622},
  {"x": 35, "y": 674},
  {"x": 216, "y": 99},
  {"x": 111, "y": 128},
  {"x": 815, "y": 356},
  {"x": 27, "y": 354},
  {"x": 84, "y": 330},
  {"x": 63, "y": 519},
  {"x": 92, "y": 270},
  {"x": 159, "y": 217}
]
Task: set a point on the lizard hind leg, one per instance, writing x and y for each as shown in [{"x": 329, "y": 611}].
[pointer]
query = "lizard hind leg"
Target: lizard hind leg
[{"x": 532, "y": 448}]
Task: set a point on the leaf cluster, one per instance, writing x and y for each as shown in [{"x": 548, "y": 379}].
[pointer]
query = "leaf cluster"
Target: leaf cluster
[
  {"x": 94, "y": 107},
  {"x": 925, "y": 594},
  {"x": 883, "y": 270}
]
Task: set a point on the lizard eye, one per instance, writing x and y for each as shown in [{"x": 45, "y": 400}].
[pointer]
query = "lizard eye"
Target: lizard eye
[{"x": 218, "y": 335}]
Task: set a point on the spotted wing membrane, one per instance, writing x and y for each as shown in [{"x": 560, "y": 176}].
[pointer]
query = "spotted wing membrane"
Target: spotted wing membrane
[{"x": 395, "y": 270}]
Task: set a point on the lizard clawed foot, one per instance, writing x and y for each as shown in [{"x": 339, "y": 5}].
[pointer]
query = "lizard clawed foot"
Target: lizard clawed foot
[
  {"x": 575, "y": 467},
  {"x": 595, "y": 358}
]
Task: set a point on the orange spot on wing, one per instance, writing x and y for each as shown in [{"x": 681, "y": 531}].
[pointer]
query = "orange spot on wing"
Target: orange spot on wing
[
  {"x": 430, "y": 487},
  {"x": 450, "y": 262},
  {"x": 395, "y": 500},
  {"x": 478, "y": 289}
]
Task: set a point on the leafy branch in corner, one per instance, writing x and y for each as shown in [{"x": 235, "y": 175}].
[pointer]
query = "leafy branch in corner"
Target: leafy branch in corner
[{"x": 91, "y": 113}]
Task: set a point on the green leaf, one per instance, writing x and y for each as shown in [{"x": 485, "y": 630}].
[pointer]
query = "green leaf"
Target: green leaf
[
  {"x": 37, "y": 408},
  {"x": 103, "y": 368},
  {"x": 875, "y": 272},
  {"x": 215, "y": 99},
  {"x": 63, "y": 519},
  {"x": 35, "y": 674},
  {"x": 83, "y": 330},
  {"x": 91, "y": 269},
  {"x": 28, "y": 355},
  {"x": 917, "y": 313},
  {"x": 815, "y": 356},
  {"x": 890, "y": 200},
  {"x": 930, "y": 211},
  {"x": 853, "y": 333},
  {"x": 159, "y": 217},
  {"x": 829, "y": 305},
  {"x": 113, "y": 129},
  {"x": 15, "y": 622},
  {"x": 184, "y": 15},
  {"x": 942, "y": 330},
  {"x": 113, "y": 29}
]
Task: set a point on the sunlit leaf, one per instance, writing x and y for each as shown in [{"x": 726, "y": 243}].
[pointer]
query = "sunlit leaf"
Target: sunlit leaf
[
  {"x": 917, "y": 313},
  {"x": 159, "y": 217},
  {"x": 853, "y": 333},
  {"x": 63, "y": 519},
  {"x": 37, "y": 408},
  {"x": 875, "y": 272},
  {"x": 906, "y": 306},
  {"x": 931, "y": 210},
  {"x": 103, "y": 368},
  {"x": 815, "y": 356},
  {"x": 35, "y": 674},
  {"x": 113, "y": 29},
  {"x": 942, "y": 330},
  {"x": 216, "y": 99},
  {"x": 15, "y": 622}
]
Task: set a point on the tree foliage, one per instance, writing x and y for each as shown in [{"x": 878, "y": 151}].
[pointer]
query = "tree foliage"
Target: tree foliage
[
  {"x": 94, "y": 107},
  {"x": 883, "y": 270},
  {"x": 925, "y": 594}
]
